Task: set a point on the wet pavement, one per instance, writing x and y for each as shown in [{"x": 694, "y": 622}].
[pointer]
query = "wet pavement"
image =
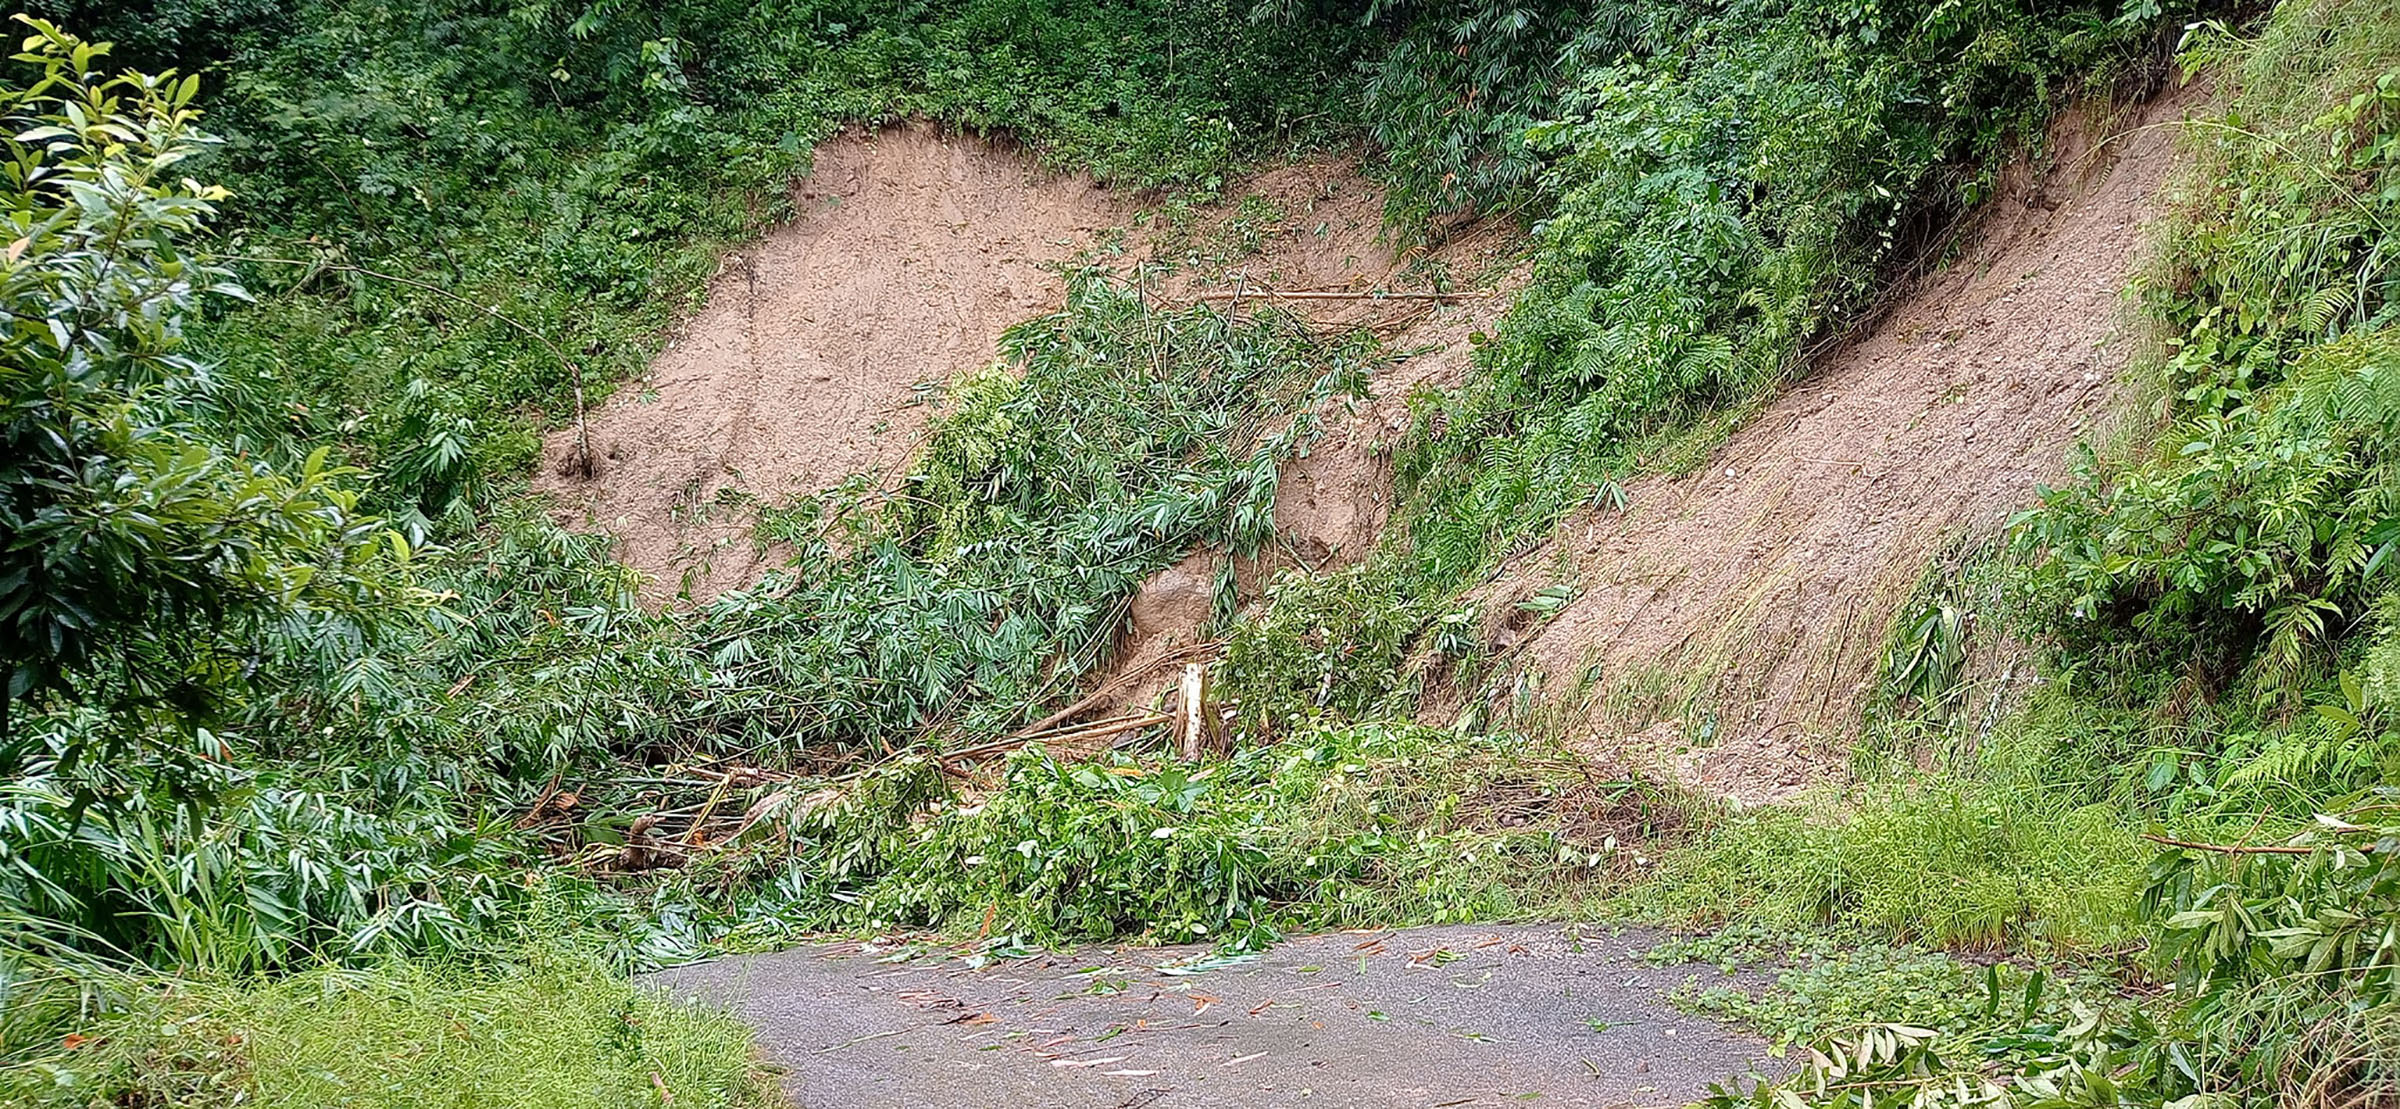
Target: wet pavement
[{"x": 1432, "y": 1017}]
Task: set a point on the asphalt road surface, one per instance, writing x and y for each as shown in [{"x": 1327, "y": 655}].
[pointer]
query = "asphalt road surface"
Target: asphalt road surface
[{"x": 1424, "y": 1017}]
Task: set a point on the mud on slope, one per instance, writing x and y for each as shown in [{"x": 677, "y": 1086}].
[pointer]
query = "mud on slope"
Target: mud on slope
[
  {"x": 911, "y": 253},
  {"x": 1770, "y": 578},
  {"x": 1333, "y": 500}
]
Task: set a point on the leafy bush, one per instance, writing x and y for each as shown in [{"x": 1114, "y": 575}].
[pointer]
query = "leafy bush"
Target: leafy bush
[
  {"x": 1450, "y": 100},
  {"x": 2289, "y": 956},
  {"x": 139, "y": 558},
  {"x": 269, "y": 872},
  {"x": 2258, "y": 528},
  {"x": 1323, "y": 647}
]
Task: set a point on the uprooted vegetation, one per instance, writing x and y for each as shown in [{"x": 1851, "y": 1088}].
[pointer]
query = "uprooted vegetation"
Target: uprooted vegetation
[
  {"x": 300, "y": 673},
  {"x": 1373, "y": 825}
]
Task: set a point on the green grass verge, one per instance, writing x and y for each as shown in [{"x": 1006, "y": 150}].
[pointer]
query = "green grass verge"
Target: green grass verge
[{"x": 545, "y": 1030}]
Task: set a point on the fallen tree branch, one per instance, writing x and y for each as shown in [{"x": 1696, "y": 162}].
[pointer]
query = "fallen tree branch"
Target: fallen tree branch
[
  {"x": 1275, "y": 294},
  {"x": 2250, "y": 848},
  {"x": 1085, "y": 731},
  {"x": 1113, "y": 685}
]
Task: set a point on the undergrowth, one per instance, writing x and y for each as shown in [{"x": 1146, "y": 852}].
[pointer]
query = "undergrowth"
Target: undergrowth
[
  {"x": 990, "y": 582},
  {"x": 1947, "y": 863},
  {"x": 543, "y": 1030},
  {"x": 2214, "y": 608},
  {"x": 1375, "y": 824}
]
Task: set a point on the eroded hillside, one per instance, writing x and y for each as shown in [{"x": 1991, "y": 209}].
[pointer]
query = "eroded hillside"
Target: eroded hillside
[
  {"x": 824, "y": 348},
  {"x": 820, "y": 344},
  {"x": 1745, "y": 603}
]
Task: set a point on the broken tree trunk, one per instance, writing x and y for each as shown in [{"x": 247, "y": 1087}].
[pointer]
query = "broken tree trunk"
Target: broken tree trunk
[{"x": 1202, "y": 730}]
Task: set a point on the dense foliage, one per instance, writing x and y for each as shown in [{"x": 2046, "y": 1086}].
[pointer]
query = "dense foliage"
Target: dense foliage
[
  {"x": 140, "y": 557},
  {"x": 299, "y": 674},
  {"x": 2216, "y": 605},
  {"x": 991, "y": 585},
  {"x": 2261, "y": 527}
]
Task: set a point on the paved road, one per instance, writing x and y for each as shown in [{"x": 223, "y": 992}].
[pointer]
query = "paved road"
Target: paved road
[{"x": 1445, "y": 1016}]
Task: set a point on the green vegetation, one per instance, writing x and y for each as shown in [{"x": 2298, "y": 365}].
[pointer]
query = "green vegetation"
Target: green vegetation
[
  {"x": 2215, "y": 607},
  {"x": 1953, "y": 863},
  {"x": 542, "y": 1030},
  {"x": 135, "y": 538},
  {"x": 1716, "y": 187},
  {"x": 1830, "y": 983},
  {"x": 313, "y": 714},
  {"x": 1369, "y": 825}
]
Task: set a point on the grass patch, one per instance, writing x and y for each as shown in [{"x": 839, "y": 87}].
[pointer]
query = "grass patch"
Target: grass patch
[
  {"x": 545, "y": 1030},
  {"x": 1949, "y": 862}
]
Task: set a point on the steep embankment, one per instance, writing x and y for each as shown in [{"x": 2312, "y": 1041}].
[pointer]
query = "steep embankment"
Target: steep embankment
[
  {"x": 1758, "y": 591},
  {"x": 1333, "y": 500},
  {"x": 1745, "y": 603},
  {"x": 912, "y": 252}
]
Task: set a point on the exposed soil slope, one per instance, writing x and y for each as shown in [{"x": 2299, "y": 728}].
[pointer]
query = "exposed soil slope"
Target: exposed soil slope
[
  {"x": 1333, "y": 500},
  {"x": 911, "y": 254},
  {"x": 1772, "y": 575}
]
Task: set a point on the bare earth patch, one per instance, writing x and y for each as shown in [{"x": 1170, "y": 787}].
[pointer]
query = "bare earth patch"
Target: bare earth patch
[
  {"x": 911, "y": 254},
  {"x": 1332, "y": 501},
  {"x": 1771, "y": 576}
]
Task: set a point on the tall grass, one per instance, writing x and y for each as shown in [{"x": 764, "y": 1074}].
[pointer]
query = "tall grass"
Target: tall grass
[{"x": 1950, "y": 863}]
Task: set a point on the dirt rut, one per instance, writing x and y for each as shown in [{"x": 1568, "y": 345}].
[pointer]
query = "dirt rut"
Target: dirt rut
[{"x": 1766, "y": 582}]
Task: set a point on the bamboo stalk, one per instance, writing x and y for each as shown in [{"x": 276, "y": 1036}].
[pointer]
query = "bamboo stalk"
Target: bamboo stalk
[
  {"x": 1088, "y": 731},
  {"x": 1276, "y": 294},
  {"x": 2252, "y": 849},
  {"x": 1119, "y": 682}
]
